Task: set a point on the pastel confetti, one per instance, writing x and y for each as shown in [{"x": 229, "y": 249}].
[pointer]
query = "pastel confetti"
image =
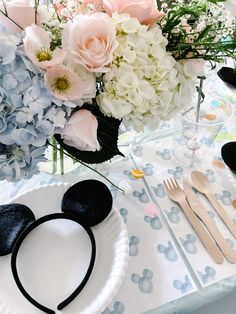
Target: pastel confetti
[
  {"x": 234, "y": 203},
  {"x": 219, "y": 164},
  {"x": 210, "y": 116},
  {"x": 216, "y": 103},
  {"x": 222, "y": 136},
  {"x": 137, "y": 174},
  {"x": 151, "y": 210}
]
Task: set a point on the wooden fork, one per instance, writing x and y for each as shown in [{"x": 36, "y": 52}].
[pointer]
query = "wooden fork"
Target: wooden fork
[{"x": 177, "y": 195}]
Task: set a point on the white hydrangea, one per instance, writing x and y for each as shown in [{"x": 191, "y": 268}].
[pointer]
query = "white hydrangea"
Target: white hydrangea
[
  {"x": 145, "y": 84},
  {"x": 46, "y": 13}
]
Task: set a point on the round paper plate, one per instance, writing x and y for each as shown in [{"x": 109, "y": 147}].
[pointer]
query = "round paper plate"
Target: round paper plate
[{"x": 54, "y": 258}]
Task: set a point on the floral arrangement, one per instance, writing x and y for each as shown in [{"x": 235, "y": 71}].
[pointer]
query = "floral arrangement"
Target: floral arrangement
[{"x": 74, "y": 70}]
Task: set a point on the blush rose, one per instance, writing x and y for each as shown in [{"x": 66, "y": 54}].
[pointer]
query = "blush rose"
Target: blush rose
[
  {"x": 144, "y": 10},
  {"x": 90, "y": 40},
  {"x": 81, "y": 131}
]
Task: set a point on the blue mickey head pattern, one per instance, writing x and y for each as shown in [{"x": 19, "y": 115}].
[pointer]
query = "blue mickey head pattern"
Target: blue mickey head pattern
[
  {"x": 210, "y": 175},
  {"x": 50, "y": 181},
  {"x": 124, "y": 214},
  {"x": 208, "y": 275},
  {"x": 183, "y": 286},
  {"x": 148, "y": 169},
  {"x": 159, "y": 190},
  {"x": 114, "y": 192},
  {"x": 138, "y": 151},
  {"x": 133, "y": 246},
  {"x": 177, "y": 172},
  {"x": 189, "y": 243},
  {"x": 231, "y": 243},
  {"x": 182, "y": 141},
  {"x": 144, "y": 281},
  {"x": 154, "y": 222},
  {"x": 168, "y": 251},
  {"x": 142, "y": 196},
  {"x": 207, "y": 141},
  {"x": 211, "y": 214},
  {"x": 118, "y": 308},
  {"x": 165, "y": 154},
  {"x": 173, "y": 215},
  {"x": 225, "y": 197},
  {"x": 164, "y": 125},
  {"x": 129, "y": 175}
]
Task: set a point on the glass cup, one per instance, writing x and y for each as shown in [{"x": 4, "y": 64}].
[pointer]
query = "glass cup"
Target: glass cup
[{"x": 193, "y": 134}]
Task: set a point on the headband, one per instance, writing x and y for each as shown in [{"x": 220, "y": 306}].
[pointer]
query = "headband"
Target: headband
[{"x": 77, "y": 206}]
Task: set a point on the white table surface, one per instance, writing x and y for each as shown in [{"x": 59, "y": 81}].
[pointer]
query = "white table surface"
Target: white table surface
[{"x": 162, "y": 277}]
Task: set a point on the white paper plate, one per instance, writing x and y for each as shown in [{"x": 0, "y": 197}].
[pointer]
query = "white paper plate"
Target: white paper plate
[{"x": 54, "y": 258}]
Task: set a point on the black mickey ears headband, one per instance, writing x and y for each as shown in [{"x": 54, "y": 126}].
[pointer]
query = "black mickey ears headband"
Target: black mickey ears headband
[
  {"x": 87, "y": 203},
  {"x": 20, "y": 240}
]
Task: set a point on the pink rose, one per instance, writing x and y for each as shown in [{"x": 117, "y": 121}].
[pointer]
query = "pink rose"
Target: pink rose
[
  {"x": 81, "y": 131},
  {"x": 20, "y": 11},
  {"x": 91, "y": 40},
  {"x": 144, "y": 10}
]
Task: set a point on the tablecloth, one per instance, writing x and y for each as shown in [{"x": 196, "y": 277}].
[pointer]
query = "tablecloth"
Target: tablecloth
[{"x": 169, "y": 270}]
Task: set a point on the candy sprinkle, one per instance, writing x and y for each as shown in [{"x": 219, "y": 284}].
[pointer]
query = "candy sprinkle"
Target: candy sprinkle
[
  {"x": 210, "y": 116},
  {"x": 137, "y": 174},
  {"x": 234, "y": 203},
  {"x": 219, "y": 164}
]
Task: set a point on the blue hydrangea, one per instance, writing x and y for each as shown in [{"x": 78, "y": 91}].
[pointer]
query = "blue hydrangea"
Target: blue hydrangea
[{"x": 29, "y": 114}]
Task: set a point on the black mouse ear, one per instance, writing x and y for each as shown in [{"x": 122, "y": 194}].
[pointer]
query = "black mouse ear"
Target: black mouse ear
[
  {"x": 228, "y": 75},
  {"x": 14, "y": 219},
  {"x": 228, "y": 153},
  {"x": 91, "y": 200}
]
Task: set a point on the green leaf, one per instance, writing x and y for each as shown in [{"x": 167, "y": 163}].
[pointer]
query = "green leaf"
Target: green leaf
[
  {"x": 107, "y": 136},
  {"x": 204, "y": 33}
]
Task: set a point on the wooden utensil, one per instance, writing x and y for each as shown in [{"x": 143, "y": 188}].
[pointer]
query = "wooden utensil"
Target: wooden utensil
[
  {"x": 177, "y": 194},
  {"x": 202, "y": 184},
  {"x": 201, "y": 212}
]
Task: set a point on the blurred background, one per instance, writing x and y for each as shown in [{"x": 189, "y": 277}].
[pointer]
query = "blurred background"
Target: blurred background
[{"x": 231, "y": 5}]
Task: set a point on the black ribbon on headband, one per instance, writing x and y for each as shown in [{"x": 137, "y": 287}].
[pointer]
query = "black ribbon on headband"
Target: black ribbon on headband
[{"x": 19, "y": 242}]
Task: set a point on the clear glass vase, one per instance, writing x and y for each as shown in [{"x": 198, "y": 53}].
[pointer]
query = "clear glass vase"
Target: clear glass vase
[{"x": 58, "y": 162}]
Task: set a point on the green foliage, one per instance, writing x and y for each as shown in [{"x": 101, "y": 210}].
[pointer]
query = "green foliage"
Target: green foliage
[{"x": 214, "y": 42}]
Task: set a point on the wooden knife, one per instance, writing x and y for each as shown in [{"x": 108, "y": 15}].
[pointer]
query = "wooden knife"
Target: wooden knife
[{"x": 201, "y": 212}]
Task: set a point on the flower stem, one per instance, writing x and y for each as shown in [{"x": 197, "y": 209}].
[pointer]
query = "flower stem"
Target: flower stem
[
  {"x": 62, "y": 160},
  {"x": 54, "y": 155},
  {"x": 86, "y": 165}
]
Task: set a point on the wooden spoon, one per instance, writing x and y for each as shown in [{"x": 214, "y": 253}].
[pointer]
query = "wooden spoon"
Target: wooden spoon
[{"x": 202, "y": 184}]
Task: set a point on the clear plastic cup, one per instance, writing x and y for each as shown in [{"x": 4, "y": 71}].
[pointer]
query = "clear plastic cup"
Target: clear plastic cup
[{"x": 192, "y": 139}]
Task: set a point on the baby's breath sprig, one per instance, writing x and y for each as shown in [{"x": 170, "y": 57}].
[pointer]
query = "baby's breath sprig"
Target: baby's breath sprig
[{"x": 198, "y": 29}]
